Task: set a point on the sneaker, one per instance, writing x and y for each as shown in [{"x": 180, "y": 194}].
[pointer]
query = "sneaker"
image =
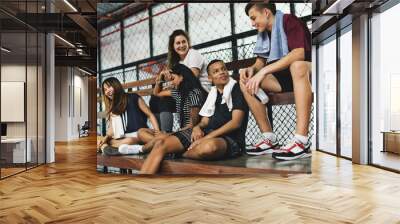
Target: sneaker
[
  {"x": 111, "y": 151},
  {"x": 125, "y": 149},
  {"x": 293, "y": 150},
  {"x": 264, "y": 146}
]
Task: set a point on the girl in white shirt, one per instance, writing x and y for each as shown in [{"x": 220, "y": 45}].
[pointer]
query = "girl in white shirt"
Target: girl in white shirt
[{"x": 180, "y": 51}]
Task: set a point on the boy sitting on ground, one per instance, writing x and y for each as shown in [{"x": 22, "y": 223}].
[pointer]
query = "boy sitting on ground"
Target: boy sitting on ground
[{"x": 221, "y": 131}]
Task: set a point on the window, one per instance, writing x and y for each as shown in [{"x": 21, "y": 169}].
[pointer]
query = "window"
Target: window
[
  {"x": 303, "y": 9},
  {"x": 385, "y": 84},
  {"x": 136, "y": 37},
  {"x": 214, "y": 24},
  {"x": 284, "y": 7},
  {"x": 346, "y": 93},
  {"x": 327, "y": 95},
  {"x": 246, "y": 47},
  {"x": 242, "y": 21},
  {"x": 110, "y": 42},
  {"x": 166, "y": 18},
  {"x": 220, "y": 51}
]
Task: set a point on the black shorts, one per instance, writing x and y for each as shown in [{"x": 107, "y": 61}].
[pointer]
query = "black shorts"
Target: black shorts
[
  {"x": 284, "y": 78},
  {"x": 232, "y": 151}
]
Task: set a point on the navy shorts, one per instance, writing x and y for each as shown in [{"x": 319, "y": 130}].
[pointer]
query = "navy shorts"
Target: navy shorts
[
  {"x": 284, "y": 78},
  {"x": 232, "y": 151}
]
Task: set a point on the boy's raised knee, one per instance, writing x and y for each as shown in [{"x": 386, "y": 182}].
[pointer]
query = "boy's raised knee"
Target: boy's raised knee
[{"x": 299, "y": 69}]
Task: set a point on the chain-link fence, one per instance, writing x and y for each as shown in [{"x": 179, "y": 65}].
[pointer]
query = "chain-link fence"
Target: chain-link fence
[
  {"x": 146, "y": 35},
  {"x": 283, "y": 116}
]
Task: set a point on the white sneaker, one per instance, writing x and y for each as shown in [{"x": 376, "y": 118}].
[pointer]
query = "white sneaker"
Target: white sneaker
[
  {"x": 293, "y": 150},
  {"x": 264, "y": 146},
  {"x": 130, "y": 149}
]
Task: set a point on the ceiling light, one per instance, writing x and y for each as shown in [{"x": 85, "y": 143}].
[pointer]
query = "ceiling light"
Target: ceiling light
[
  {"x": 70, "y": 5},
  {"x": 5, "y": 50},
  {"x": 65, "y": 41}
]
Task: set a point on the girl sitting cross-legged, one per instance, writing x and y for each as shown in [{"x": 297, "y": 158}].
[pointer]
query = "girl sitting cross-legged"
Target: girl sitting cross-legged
[{"x": 126, "y": 114}]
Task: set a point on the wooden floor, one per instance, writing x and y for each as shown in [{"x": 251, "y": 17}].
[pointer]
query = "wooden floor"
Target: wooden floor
[{"x": 71, "y": 191}]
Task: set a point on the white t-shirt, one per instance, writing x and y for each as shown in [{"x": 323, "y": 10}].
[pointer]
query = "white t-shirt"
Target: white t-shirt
[{"x": 194, "y": 59}]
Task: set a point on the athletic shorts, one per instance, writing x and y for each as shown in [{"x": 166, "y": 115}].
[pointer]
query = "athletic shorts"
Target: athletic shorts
[
  {"x": 284, "y": 78},
  {"x": 232, "y": 151}
]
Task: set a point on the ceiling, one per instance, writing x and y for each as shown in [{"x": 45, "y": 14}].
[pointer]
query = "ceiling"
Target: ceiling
[{"x": 76, "y": 23}]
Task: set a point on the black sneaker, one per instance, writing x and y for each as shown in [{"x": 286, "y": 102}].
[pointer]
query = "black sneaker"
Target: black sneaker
[
  {"x": 111, "y": 151},
  {"x": 264, "y": 146},
  {"x": 293, "y": 150}
]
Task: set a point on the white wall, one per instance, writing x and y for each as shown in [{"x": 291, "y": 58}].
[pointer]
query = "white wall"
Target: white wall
[
  {"x": 71, "y": 102},
  {"x": 33, "y": 127}
]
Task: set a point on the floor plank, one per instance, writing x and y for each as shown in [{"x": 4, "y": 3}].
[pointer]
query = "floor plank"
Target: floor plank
[{"x": 71, "y": 191}]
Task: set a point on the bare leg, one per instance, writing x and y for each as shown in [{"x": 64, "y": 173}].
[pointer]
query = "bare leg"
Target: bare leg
[
  {"x": 147, "y": 136},
  {"x": 269, "y": 84},
  {"x": 210, "y": 149},
  {"x": 153, "y": 161},
  {"x": 128, "y": 140},
  {"x": 302, "y": 94},
  {"x": 149, "y": 146}
]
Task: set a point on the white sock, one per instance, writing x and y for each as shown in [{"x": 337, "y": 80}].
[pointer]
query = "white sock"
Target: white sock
[
  {"x": 269, "y": 135},
  {"x": 130, "y": 149},
  {"x": 303, "y": 139}
]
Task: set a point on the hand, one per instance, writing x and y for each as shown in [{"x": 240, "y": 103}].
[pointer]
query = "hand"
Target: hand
[
  {"x": 195, "y": 143},
  {"x": 253, "y": 84},
  {"x": 159, "y": 78},
  {"x": 101, "y": 143},
  {"x": 198, "y": 142},
  {"x": 197, "y": 134},
  {"x": 165, "y": 75},
  {"x": 157, "y": 132},
  {"x": 246, "y": 74}
]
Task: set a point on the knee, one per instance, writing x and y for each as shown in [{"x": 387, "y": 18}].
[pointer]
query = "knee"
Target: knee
[
  {"x": 208, "y": 150},
  {"x": 299, "y": 70},
  {"x": 159, "y": 147},
  {"x": 141, "y": 132}
]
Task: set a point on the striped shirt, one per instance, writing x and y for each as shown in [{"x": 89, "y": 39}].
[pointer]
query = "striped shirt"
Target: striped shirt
[{"x": 194, "y": 99}]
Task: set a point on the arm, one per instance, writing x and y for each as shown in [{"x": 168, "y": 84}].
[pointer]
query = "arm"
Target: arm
[
  {"x": 196, "y": 71},
  {"x": 146, "y": 110},
  {"x": 194, "y": 118},
  {"x": 235, "y": 123},
  {"x": 247, "y": 73},
  {"x": 203, "y": 123},
  {"x": 197, "y": 132},
  {"x": 258, "y": 65},
  {"x": 157, "y": 91},
  {"x": 194, "y": 114},
  {"x": 106, "y": 138},
  {"x": 295, "y": 55},
  {"x": 254, "y": 83}
]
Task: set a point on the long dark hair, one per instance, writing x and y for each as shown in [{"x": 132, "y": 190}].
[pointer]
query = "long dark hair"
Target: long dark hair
[
  {"x": 189, "y": 83},
  {"x": 173, "y": 57},
  {"x": 116, "y": 105}
]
